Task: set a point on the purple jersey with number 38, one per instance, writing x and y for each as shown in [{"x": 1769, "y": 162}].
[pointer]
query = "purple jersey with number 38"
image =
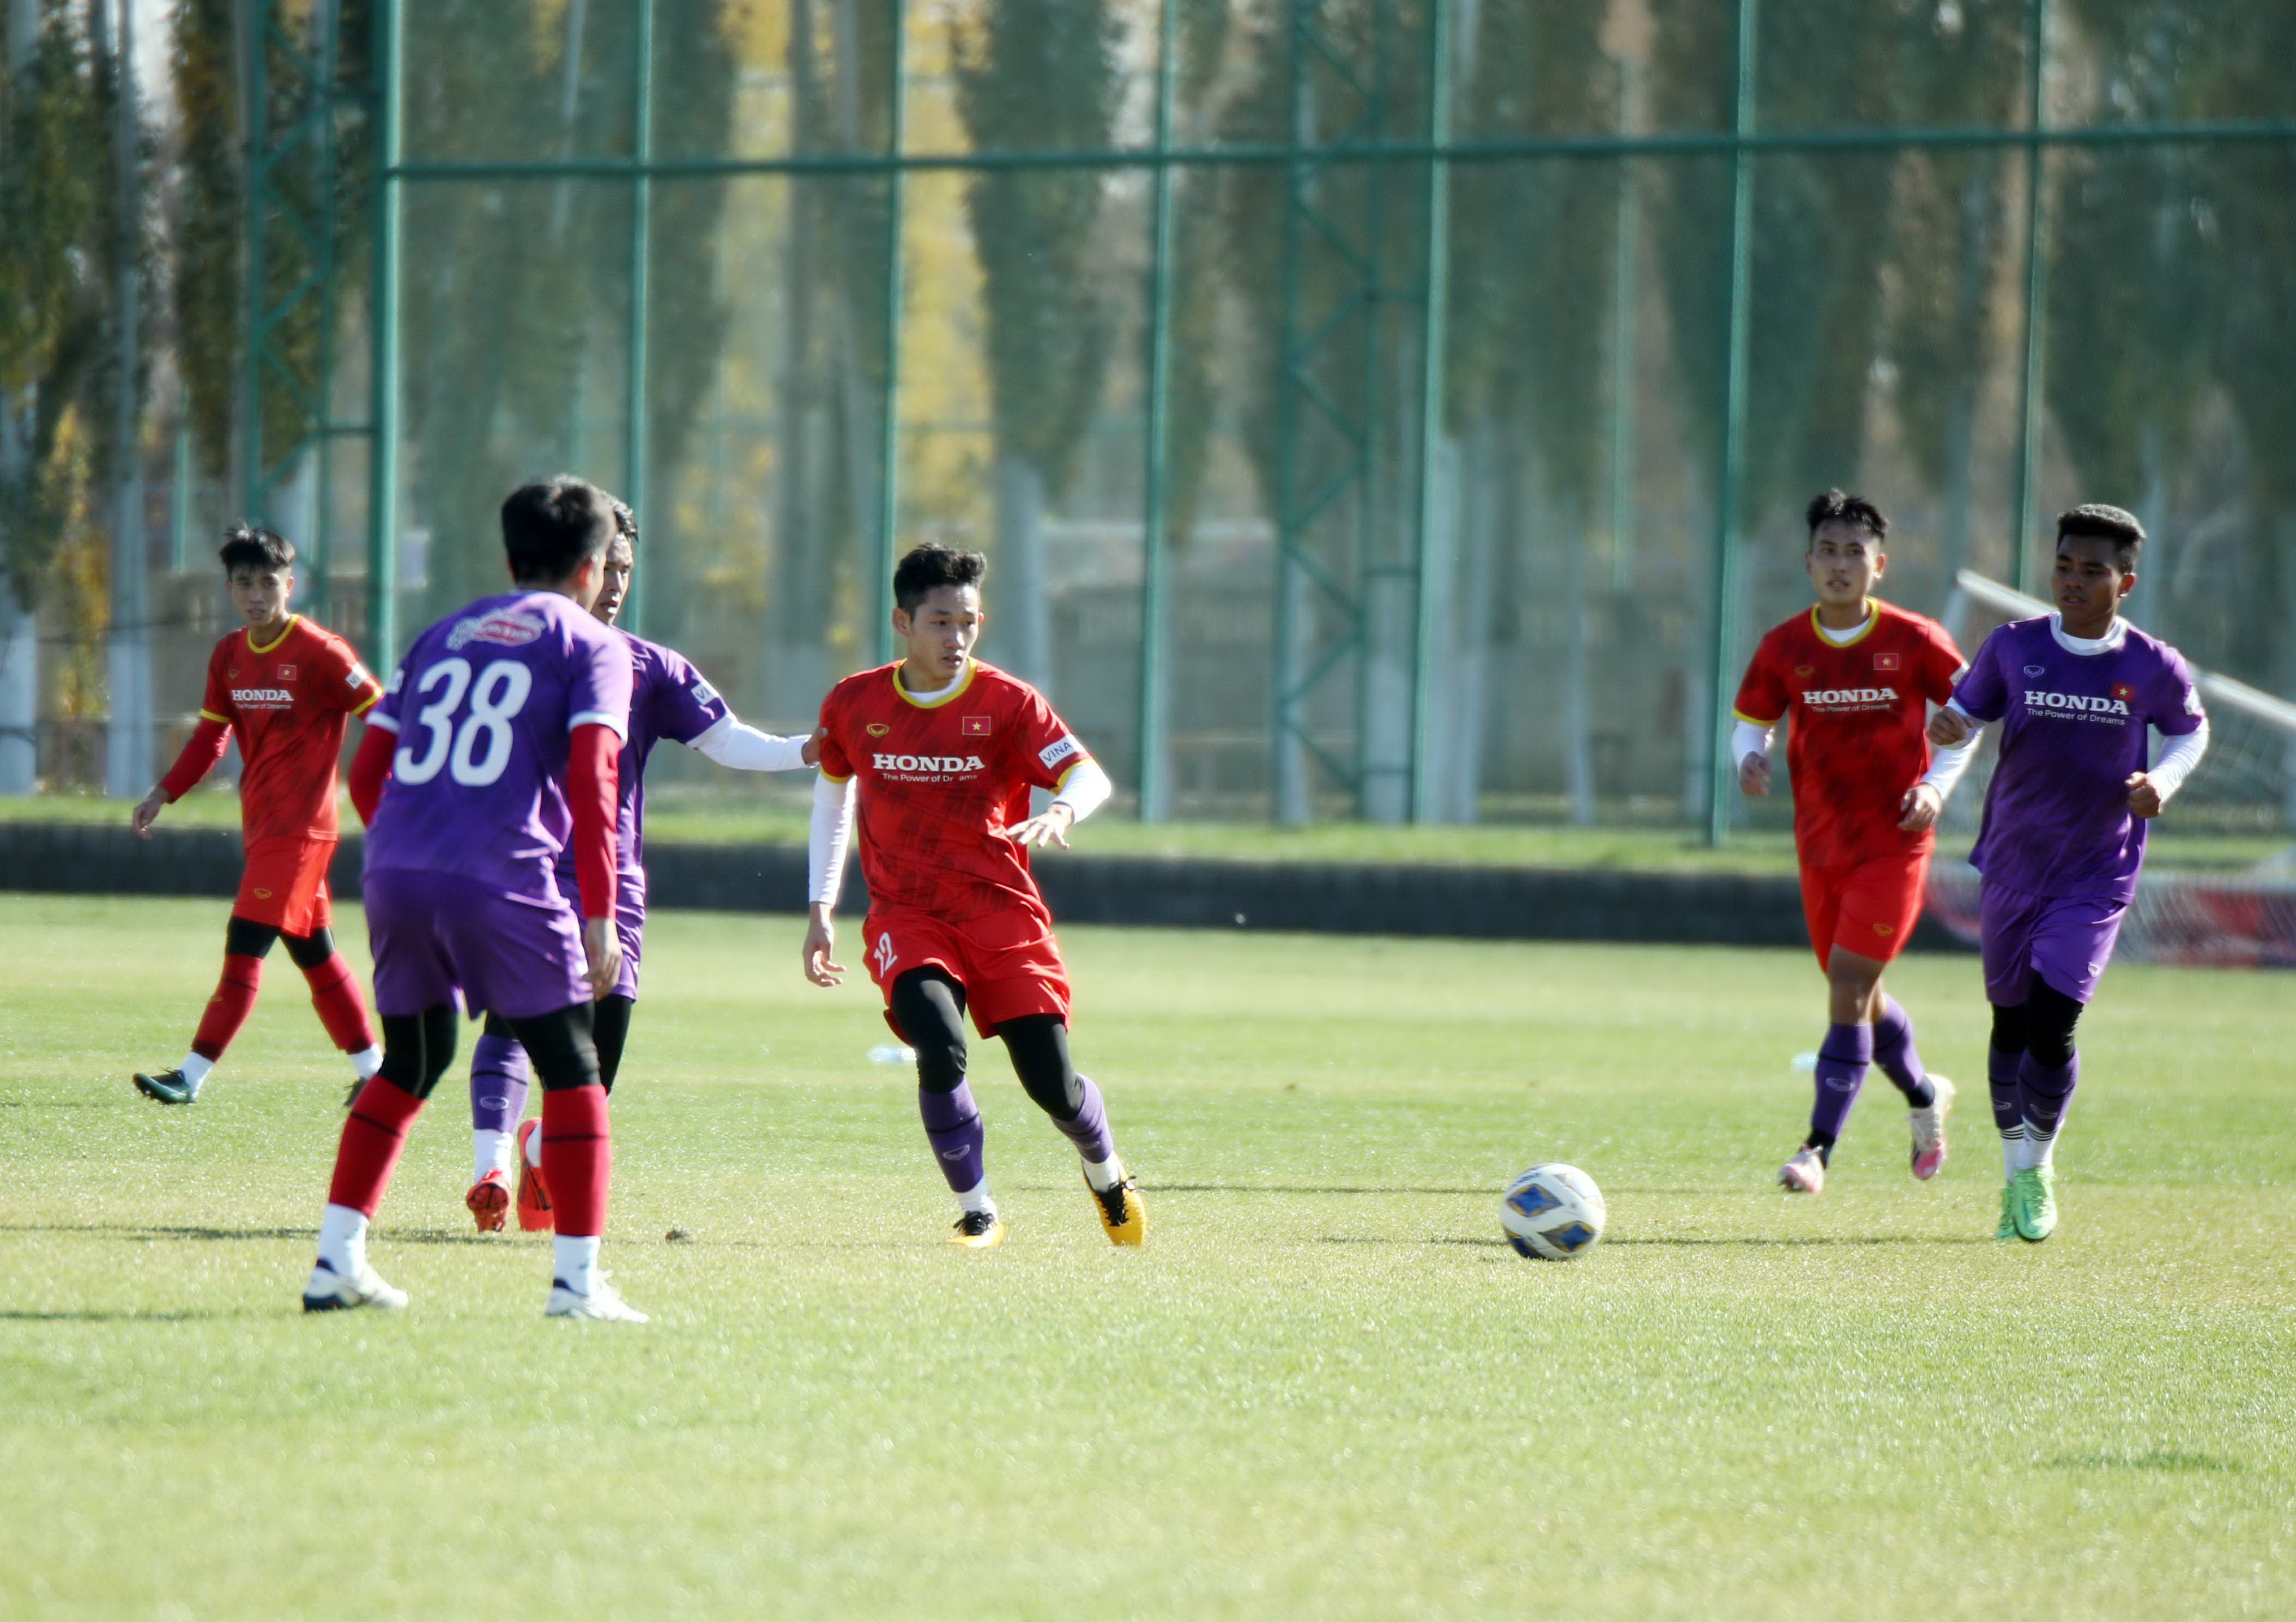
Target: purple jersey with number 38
[
  {"x": 484, "y": 704},
  {"x": 2057, "y": 820}
]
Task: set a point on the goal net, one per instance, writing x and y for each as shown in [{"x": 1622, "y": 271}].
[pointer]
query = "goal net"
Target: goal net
[{"x": 2219, "y": 881}]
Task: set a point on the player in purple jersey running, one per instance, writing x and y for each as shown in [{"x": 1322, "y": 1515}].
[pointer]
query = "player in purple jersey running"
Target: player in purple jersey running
[
  {"x": 2063, "y": 832},
  {"x": 508, "y": 716},
  {"x": 668, "y": 699}
]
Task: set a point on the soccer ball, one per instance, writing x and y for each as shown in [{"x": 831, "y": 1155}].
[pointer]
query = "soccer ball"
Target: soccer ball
[{"x": 1554, "y": 1211}]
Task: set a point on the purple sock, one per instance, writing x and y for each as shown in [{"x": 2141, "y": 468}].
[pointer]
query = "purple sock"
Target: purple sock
[
  {"x": 1841, "y": 1060},
  {"x": 1893, "y": 1050},
  {"x": 1088, "y": 1128},
  {"x": 953, "y": 1127},
  {"x": 2044, "y": 1092},
  {"x": 498, "y": 1080}
]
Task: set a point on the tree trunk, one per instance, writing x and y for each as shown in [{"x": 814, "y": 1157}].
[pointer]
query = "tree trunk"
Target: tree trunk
[
  {"x": 127, "y": 737},
  {"x": 1022, "y": 621}
]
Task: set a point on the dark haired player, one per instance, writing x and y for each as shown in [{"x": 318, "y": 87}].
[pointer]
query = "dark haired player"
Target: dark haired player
[
  {"x": 668, "y": 699},
  {"x": 945, "y": 750},
  {"x": 2064, "y": 834},
  {"x": 1855, "y": 676},
  {"x": 508, "y": 716},
  {"x": 287, "y": 688}
]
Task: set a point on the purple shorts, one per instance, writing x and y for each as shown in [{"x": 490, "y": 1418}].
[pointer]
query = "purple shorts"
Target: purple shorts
[
  {"x": 2065, "y": 940},
  {"x": 435, "y": 934}
]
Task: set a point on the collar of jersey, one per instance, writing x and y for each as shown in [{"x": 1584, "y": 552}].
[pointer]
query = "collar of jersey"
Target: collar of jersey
[
  {"x": 2086, "y": 646},
  {"x": 1873, "y": 619},
  {"x": 941, "y": 698},
  {"x": 276, "y": 641}
]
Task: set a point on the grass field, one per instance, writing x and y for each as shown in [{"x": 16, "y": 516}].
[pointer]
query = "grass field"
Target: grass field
[{"x": 1324, "y": 1388}]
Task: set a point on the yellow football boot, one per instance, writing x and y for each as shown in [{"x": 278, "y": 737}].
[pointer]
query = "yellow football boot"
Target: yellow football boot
[
  {"x": 1121, "y": 1212},
  {"x": 978, "y": 1230}
]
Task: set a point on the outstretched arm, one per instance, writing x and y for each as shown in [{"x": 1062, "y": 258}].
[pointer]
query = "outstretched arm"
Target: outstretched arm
[
  {"x": 744, "y": 748},
  {"x": 828, "y": 839},
  {"x": 201, "y": 752}
]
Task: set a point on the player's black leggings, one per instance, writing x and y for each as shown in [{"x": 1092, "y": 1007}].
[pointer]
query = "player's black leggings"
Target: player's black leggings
[
  {"x": 417, "y": 1048},
  {"x": 610, "y": 1028},
  {"x": 930, "y": 1006},
  {"x": 245, "y": 938},
  {"x": 2042, "y": 1025}
]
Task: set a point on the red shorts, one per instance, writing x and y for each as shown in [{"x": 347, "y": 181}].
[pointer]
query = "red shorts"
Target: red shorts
[
  {"x": 1866, "y": 907},
  {"x": 285, "y": 885},
  {"x": 1008, "y": 963}
]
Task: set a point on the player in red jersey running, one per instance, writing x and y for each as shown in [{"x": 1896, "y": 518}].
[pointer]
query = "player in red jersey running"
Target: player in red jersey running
[
  {"x": 945, "y": 751},
  {"x": 1857, "y": 676},
  {"x": 287, "y": 688}
]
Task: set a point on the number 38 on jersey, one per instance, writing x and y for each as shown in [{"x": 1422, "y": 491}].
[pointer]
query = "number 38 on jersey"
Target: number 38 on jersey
[{"x": 461, "y": 721}]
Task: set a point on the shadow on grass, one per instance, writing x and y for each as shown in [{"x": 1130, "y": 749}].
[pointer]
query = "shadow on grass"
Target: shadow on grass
[
  {"x": 96, "y": 1315},
  {"x": 144, "y": 1233},
  {"x": 1294, "y": 1188},
  {"x": 1793, "y": 1238},
  {"x": 2160, "y": 1458}
]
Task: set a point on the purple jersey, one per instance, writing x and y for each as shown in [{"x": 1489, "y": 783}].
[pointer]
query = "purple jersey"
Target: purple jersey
[
  {"x": 2057, "y": 820},
  {"x": 668, "y": 699},
  {"x": 484, "y": 704}
]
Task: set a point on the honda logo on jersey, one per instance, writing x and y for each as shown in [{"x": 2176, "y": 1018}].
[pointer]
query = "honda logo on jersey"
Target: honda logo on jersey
[{"x": 938, "y": 765}]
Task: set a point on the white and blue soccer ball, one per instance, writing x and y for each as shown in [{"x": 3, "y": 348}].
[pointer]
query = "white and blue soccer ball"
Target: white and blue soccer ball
[{"x": 1553, "y": 1211}]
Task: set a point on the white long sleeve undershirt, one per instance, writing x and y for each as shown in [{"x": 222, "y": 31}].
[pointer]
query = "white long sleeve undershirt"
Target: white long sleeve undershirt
[
  {"x": 828, "y": 838},
  {"x": 742, "y": 748},
  {"x": 1086, "y": 791},
  {"x": 2178, "y": 756}
]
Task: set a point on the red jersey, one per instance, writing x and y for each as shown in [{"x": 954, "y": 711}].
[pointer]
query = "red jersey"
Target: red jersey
[
  {"x": 288, "y": 700},
  {"x": 1854, "y": 713},
  {"x": 939, "y": 784}
]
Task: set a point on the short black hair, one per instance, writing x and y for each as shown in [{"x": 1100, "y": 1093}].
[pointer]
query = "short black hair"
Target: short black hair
[
  {"x": 251, "y": 546},
  {"x": 1834, "y": 507},
  {"x": 625, "y": 522},
  {"x": 2093, "y": 519},
  {"x": 925, "y": 568},
  {"x": 550, "y": 525}
]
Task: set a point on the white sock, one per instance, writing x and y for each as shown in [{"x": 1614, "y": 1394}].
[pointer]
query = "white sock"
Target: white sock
[
  {"x": 367, "y": 1060},
  {"x": 2013, "y": 1151},
  {"x": 574, "y": 1263},
  {"x": 1104, "y": 1175},
  {"x": 2040, "y": 1149},
  {"x": 977, "y": 1198},
  {"x": 534, "y": 1149},
  {"x": 195, "y": 1069},
  {"x": 490, "y": 1150},
  {"x": 342, "y": 1241}
]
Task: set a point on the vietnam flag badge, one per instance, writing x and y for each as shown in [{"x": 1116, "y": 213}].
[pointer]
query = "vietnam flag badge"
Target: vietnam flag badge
[{"x": 974, "y": 727}]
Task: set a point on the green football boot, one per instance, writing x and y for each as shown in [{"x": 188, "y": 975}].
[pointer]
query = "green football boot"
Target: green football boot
[
  {"x": 167, "y": 1086},
  {"x": 2035, "y": 1197},
  {"x": 2008, "y": 1227}
]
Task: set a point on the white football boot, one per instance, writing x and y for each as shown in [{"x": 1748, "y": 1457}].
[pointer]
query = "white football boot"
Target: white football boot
[
  {"x": 604, "y": 1304},
  {"x": 1805, "y": 1174},
  {"x": 329, "y": 1290},
  {"x": 1929, "y": 1130}
]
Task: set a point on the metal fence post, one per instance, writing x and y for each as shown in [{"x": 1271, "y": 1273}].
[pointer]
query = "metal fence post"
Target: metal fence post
[
  {"x": 633, "y": 424},
  {"x": 2028, "y": 386},
  {"x": 383, "y": 463},
  {"x": 1154, "y": 780},
  {"x": 1434, "y": 341},
  {"x": 888, "y": 419},
  {"x": 1724, "y": 596}
]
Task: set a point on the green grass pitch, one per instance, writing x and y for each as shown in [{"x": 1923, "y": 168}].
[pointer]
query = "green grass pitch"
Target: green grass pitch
[{"x": 1325, "y": 1387}]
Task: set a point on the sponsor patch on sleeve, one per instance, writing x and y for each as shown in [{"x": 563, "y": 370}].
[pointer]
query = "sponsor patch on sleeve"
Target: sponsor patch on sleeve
[
  {"x": 1057, "y": 750},
  {"x": 703, "y": 693}
]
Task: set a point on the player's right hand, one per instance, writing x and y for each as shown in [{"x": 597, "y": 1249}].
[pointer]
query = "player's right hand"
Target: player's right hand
[
  {"x": 1947, "y": 728},
  {"x": 601, "y": 946},
  {"x": 144, "y": 814},
  {"x": 820, "y": 941},
  {"x": 1754, "y": 776}
]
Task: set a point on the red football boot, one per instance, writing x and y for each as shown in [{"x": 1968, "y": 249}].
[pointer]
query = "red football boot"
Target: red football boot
[
  {"x": 489, "y": 1199},
  {"x": 533, "y": 1198}
]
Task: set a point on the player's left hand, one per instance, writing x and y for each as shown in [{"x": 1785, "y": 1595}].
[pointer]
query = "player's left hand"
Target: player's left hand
[
  {"x": 148, "y": 808},
  {"x": 811, "y": 753},
  {"x": 1051, "y": 828},
  {"x": 2143, "y": 799},
  {"x": 601, "y": 947},
  {"x": 1918, "y": 812}
]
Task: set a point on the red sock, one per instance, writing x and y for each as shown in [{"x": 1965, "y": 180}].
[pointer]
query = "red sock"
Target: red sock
[
  {"x": 341, "y": 1009},
  {"x": 373, "y": 1134},
  {"x": 227, "y": 1010},
  {"x": 578, "y": 1158}
]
